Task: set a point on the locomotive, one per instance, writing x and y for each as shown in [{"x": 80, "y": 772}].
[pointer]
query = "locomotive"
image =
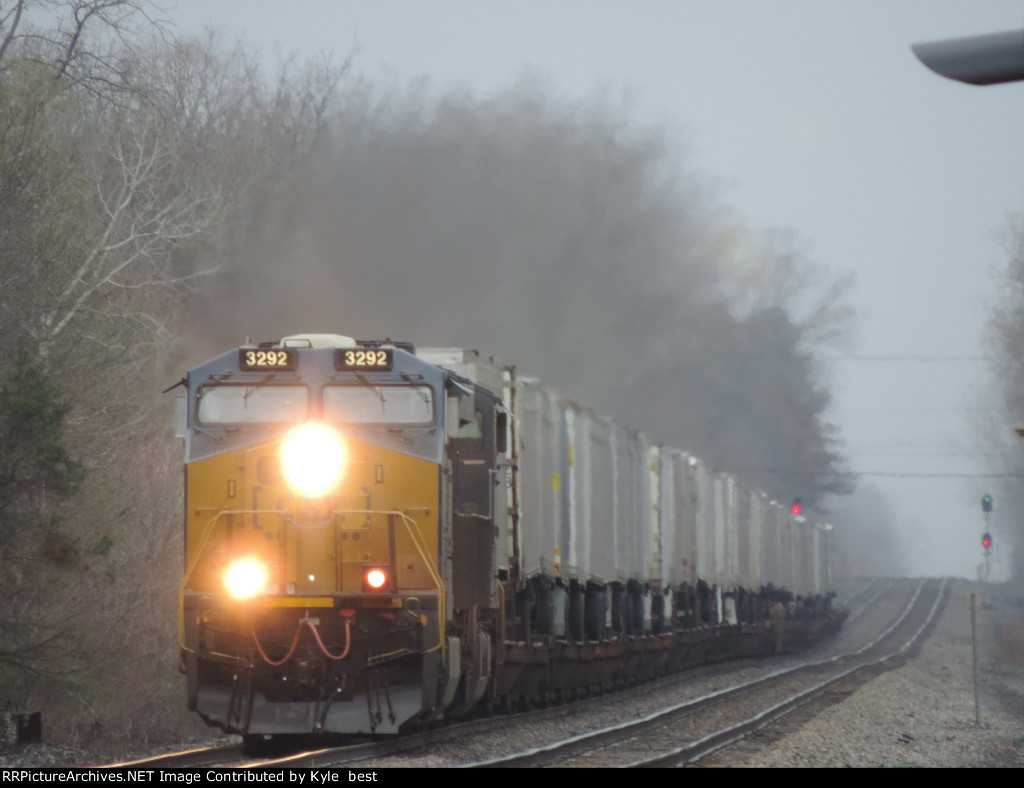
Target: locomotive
[{"x": 378, "y": 538}]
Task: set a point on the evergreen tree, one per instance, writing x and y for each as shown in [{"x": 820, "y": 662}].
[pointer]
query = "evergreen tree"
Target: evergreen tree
[{"x": 35, "y": 464}]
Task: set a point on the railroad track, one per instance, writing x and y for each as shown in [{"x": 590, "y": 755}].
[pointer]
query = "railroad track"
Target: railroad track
[
  {"x": 684, "y": 733},
  {"x": 793, "y": 680}
]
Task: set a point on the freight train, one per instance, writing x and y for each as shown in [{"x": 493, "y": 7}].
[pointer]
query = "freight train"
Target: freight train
[{"x": 378, "y": 538}]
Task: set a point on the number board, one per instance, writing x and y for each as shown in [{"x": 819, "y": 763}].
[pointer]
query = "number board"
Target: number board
[
  {"x": 267, "y": 360},
  {"x": 359, "y": 359}
]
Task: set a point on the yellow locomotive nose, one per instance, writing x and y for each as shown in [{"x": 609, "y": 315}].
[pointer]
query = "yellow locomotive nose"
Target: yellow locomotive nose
[{"x": 313, "y": 459}]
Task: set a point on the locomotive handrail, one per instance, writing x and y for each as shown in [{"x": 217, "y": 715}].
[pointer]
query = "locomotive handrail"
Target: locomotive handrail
[
  {"x": 195, "y": 562},
  {"x": 412, "y": 527}
]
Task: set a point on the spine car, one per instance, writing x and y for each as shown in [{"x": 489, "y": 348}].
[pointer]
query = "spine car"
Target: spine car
[{"x": 378, "y": 538}]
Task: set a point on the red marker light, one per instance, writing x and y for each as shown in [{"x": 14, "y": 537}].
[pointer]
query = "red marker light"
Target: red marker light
[{"x": 375, "y": 579}]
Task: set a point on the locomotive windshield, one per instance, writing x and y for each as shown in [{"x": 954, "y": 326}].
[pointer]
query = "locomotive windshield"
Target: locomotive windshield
[
  {"x": 379, "y": 404},
  {"x": 240, "y": 404}
]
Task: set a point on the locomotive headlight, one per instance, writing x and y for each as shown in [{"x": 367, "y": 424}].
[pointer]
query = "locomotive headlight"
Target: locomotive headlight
[
  {"x": 246, "y": 578},
  {"x": 313, "y": 459}
]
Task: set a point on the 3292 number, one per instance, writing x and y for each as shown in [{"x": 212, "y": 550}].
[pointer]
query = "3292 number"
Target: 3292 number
[
  {"x": 363, "y": 358},
  {"x": 252, "y": 359}
]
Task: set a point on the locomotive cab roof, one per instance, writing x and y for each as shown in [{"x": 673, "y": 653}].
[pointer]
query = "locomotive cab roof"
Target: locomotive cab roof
[{"x": 316, "y": 341}]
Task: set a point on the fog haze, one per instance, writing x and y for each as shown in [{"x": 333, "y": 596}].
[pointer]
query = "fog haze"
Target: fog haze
[{"x": 804, "y": 115}]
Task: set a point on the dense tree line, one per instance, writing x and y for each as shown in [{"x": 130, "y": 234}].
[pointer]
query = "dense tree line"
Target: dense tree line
[
  {"x": 161, "y": 199},
  {"x": 559, "y": 238}
]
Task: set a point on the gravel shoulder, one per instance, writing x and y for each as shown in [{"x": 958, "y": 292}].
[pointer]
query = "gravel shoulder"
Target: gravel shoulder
[{"x": 923, "y": 712}]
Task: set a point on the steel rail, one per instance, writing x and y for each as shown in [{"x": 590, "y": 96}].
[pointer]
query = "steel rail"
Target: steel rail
[
  {"x": 200, "y": 756},
  {"x": 593, "y": 740},
  {"x": 707, "y": 745}
]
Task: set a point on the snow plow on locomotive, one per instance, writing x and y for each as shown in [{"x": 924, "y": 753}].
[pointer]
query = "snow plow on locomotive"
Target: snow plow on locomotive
[{"x": 377, "y": 538}]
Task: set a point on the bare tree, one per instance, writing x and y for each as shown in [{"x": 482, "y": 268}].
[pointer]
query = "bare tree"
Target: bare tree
[
  {"x": 121, "y": 171},
  {"x": 81, "y": 41},
  {"x": 152, "y": 179}
]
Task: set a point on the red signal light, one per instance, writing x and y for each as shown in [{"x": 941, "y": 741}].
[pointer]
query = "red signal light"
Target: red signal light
[
  {"x": 797, "y": 506},
  {"x": 986, "y": 541}
]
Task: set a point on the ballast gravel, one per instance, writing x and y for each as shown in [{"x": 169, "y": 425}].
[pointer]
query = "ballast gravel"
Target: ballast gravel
[{"x": 921, "y": 713}]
